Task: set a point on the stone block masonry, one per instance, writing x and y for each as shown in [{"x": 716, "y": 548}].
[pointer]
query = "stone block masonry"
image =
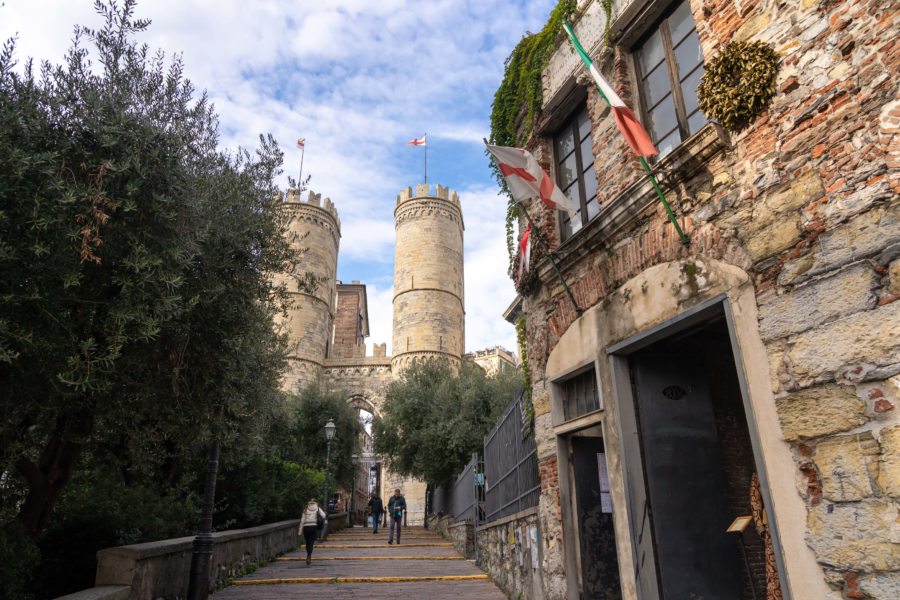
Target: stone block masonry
[
  {"x": 804, "y": 206},
  {"x": 429, "y": 309}
]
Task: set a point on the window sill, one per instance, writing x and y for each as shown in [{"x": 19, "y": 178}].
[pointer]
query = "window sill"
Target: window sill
[
  {"x": 588, "y": 419},
  {"x": 639, "y": 198}
]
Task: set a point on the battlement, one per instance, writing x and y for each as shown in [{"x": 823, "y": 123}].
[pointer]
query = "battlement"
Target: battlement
[
  {"x": 424, "y": 190},
  {"x": 313, "y": 199}
]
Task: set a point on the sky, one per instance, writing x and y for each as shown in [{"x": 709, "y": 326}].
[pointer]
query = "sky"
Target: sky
[{"x": 357, "y": 79}]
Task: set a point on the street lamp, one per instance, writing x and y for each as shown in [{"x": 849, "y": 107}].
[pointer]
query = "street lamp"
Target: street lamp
[
  {"x": 354, "y": 458},
  {"x": 329, "y": 435}
]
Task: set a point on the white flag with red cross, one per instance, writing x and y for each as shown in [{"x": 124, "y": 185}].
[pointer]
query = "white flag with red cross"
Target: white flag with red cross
[{"x": 526, "y": 179}]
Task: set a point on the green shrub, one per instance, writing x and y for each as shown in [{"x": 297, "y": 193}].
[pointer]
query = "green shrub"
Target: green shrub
[{"x": 18, "y": 558}]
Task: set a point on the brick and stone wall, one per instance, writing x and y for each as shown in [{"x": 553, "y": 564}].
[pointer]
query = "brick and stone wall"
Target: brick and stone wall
[
  {"x": 804, "y": 204},
  {"x": 349, "y": 339},
  {"x": 507, "y": 554}
]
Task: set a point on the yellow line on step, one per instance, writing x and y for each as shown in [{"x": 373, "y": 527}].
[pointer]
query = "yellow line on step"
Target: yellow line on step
[
  {"x": 386, "y": 546},
  {"x": 373, "y": 558},
  {"x": 360, "y": 579}
]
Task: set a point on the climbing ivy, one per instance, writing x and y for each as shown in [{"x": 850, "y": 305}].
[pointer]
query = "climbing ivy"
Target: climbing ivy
[
  {"x": 526, "y": 373},
  {"x": 518, "y": 99}
]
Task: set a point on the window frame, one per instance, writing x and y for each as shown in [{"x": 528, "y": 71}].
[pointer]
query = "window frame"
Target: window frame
[
  {"x": 587, "y": 373},
  {"x": 571, "y": 123},
  {"x": 671, "y": 66}
]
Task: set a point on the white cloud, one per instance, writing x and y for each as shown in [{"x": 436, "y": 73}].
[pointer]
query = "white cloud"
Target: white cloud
[{"x": 357, "y": 79}]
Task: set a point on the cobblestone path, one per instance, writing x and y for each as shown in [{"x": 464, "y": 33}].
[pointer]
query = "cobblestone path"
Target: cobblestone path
[{"x": 356, "y": 564}]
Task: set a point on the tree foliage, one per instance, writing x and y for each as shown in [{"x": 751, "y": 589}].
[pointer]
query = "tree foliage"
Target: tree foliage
[
  {"x": 433, "y": 418},
  {"x": 136, "y": 301}
]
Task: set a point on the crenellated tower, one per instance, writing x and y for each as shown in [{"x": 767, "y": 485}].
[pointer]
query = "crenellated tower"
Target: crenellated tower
[
  {"x": 314, "y": 227},
  {"x": 429, "y": 304}
]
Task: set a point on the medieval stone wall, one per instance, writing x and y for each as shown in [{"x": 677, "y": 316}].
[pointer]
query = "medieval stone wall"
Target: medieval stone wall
[
  {"x": 804, "y": 203},
  {"x": 429, "y": 313},
  {"x": 315, "y": 228}
]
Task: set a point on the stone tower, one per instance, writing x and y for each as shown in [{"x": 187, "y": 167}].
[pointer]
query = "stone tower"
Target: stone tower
[
  {"x": 429, "y": 314},
  {"x": 315, "y": 227}
]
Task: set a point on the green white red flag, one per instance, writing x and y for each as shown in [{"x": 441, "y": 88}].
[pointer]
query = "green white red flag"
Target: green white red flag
[
  {"x": 631, "y": 129},
  {"x": 526, "y": 179}
]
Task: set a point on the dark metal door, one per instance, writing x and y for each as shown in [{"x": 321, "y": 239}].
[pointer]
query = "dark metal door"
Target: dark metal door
[
  {"x": 685, "y": 480},
  {"x": 599, "y": 563}
]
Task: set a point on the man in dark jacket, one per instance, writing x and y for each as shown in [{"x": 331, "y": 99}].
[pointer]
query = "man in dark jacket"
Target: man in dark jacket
[
  {"x": 376, "y": 508},
  {"x": 396, "y": 506}
]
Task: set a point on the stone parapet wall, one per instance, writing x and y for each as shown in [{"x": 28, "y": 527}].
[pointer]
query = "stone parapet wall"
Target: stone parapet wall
[
  {"x": 160, "y": 570},
  {"x": 461, "y": 534},
  {"x": 507, "y": 554}
]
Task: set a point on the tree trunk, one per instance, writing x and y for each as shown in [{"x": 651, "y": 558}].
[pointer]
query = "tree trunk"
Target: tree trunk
[{"x": 55, "y": 467}]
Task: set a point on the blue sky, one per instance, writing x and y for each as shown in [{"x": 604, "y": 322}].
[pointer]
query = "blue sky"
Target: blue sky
[{"x": 357, "y": 79}]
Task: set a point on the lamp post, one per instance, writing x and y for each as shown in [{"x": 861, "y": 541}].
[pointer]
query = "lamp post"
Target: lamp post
[
  {"x": 329, "y": 435},
  {"x": 198, "y": 584},
  {"x": 354, "y": 458}
]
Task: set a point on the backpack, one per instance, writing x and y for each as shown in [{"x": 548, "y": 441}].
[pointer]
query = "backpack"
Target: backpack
[{"x": 320, "y": 520}]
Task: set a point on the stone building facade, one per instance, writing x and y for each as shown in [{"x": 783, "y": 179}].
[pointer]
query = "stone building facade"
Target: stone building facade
[
  {"x": 752, "y": 371},
  {"x": 327, "y": 329}
]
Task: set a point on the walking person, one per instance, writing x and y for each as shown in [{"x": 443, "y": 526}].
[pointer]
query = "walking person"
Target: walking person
[
  {"x": 312, "y": 520},
  {"x": 376, "y": 507},
  {"x": 396, "y": 506}
]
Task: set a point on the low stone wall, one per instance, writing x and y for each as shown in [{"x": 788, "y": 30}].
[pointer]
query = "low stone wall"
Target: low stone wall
[
  {"x": 159, "y": 570},
  {"x": 461, "y": 534},
  {"x": 509, "y": 551}
]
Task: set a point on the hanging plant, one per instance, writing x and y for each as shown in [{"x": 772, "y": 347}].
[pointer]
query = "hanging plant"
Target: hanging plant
[
  {"x": 739, "y": 83},
  {"x": 519, "y": 98}
]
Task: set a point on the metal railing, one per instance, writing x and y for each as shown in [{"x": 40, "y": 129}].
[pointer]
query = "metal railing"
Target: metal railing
[
  {"x": 460, "y": 500},
  {"x": 511, "y": 476}
]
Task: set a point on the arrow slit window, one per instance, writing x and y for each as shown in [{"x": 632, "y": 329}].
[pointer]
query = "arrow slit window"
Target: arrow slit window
[
  {"x": 574, "y": 162},
  {"x": 669, "y": 64}
]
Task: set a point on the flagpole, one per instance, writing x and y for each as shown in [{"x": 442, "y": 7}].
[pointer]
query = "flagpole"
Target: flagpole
[
  {"x": 543, "y": 243},
  {"x": 662, "y": 197},
  {"x": 300, "y": 181},
  {"x": 425, "y": 146}
]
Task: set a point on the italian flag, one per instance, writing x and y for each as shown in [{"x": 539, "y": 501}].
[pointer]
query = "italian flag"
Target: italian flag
[
  {"x": 526, "y": 179},
  {"x": 631, "y": 128}
]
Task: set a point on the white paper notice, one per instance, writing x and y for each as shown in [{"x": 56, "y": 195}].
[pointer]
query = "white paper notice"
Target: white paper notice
[
  {"x": 605, "y": 497},
  {"x": 534, "y": 547}
]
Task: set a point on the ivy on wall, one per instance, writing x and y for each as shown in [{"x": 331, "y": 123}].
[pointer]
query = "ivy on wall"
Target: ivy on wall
[
  {"x": 518, "y": 99},
  {"x": 526, "y": 373},
  {"x": 739, "y": 83}
]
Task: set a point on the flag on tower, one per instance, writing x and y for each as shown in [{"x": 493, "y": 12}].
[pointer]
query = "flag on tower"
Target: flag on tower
[
  {"x": 301, "y": 142},
  {"x": 631, "y": 129},
  {"x": 418, "y": 141},
  {"x": 524, "y": 252},
  {"x": 526, "y": 179}
]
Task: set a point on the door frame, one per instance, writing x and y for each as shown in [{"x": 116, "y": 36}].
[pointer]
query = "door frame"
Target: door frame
[{"x": 627, "y": 429}]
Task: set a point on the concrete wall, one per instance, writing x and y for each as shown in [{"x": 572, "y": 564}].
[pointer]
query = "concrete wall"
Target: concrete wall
[
  {"x": 160, "y": 570},
  {"x": 797, "y": 220}
]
